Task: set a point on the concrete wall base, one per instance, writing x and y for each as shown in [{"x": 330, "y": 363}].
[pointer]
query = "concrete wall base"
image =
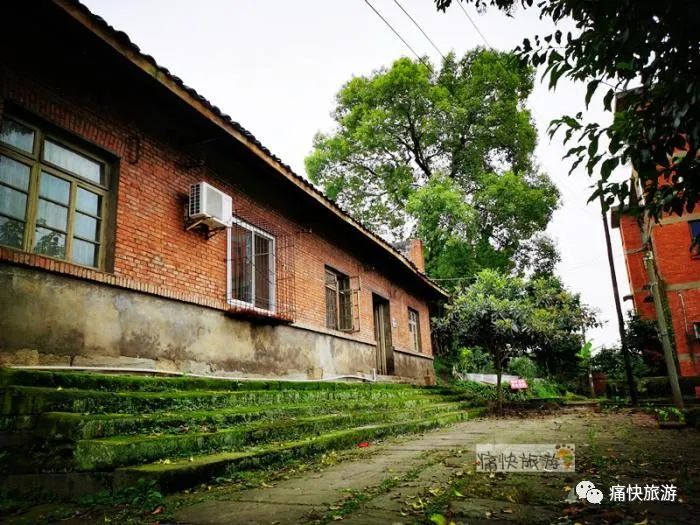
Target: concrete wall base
[{"x": 50, "y": 319}]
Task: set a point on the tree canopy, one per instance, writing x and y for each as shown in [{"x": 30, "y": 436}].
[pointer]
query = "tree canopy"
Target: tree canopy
[
  {"x": 647, "y": 50},
  {"x": 509, "y": 316},
  {"x": 442, "y": 153}
]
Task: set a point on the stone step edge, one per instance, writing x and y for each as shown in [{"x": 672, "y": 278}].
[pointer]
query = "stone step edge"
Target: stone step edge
[
  {"x": 21, "y": 400},
  {"x": 72, "y": 426},
  {"x": 121, "y": 379},
  {"x": 183, "y": 474},
  {"x": 118, "y": 451}
]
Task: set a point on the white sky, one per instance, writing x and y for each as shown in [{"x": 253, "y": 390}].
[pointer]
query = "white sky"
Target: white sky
[{"x": 276, "y": 65}]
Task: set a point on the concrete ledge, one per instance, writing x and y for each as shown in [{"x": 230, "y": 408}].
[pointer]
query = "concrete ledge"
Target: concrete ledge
[
  {"x": 414, "y": 354},
  {"x": 54, "y": 319}
]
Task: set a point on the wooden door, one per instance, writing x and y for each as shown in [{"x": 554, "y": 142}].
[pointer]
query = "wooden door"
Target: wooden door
[{"x": 382, "y": 334}]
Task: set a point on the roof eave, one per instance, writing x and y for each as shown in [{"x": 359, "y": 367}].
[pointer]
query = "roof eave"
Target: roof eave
[{"x": 120, "y": 42}]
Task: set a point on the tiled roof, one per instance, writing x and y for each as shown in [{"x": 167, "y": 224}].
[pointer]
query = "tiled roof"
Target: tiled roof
[{"x": 124, "y": 42}]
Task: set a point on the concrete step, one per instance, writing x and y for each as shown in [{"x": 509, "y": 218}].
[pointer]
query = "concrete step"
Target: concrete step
[
  {"x": 188, "y": 472},
  {"x": 71, "y": 426},
  {"x": 108, "y": 453},
  {"x": 126, "y": 382},
  {"x": 27, "y": 400}
]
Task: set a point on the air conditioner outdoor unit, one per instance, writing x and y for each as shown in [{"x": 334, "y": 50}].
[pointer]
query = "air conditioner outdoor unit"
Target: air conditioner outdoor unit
[{"x": 209, "y": 206}]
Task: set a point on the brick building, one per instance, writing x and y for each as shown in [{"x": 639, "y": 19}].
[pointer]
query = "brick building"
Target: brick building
[
  {"x": 670, "y": 243},
  {"x": 102, "y": 264}
]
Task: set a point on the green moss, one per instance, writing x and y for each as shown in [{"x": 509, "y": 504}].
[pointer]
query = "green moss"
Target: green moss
[
  {"x": 127, "y": 450},
  {"x": 140, "y": 383},
  {"x": 72, "y": 426},
  {"x": 176, "y": 475},
  {"x": 36, "y": 400}
]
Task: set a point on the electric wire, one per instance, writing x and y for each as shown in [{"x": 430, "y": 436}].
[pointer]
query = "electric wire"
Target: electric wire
[
  {"x": 459, "y": 3},
  {"x": 420, "y": 29},
  {"x": 398, "y": 35}
]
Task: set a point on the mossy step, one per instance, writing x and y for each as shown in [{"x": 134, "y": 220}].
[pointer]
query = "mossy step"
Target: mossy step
[
  {"x": 74, "y": 426},
  {"x": 105, "y": 453},
  {"x": 185, "y": 473},
  {"x": 130, "y": 382},
  {"x": 23, "y": 400}
]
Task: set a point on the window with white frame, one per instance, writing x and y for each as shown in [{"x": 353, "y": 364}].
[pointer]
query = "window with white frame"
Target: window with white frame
[{"x": 251, "y": 267}]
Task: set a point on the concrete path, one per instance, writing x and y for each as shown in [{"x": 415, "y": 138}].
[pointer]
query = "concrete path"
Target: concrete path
[{"x": 378, "y": 488}]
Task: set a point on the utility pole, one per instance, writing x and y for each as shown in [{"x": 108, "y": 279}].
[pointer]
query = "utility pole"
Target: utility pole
[
  {"x": 616, "y": 294},
  {"x": 663, "y": 329}
]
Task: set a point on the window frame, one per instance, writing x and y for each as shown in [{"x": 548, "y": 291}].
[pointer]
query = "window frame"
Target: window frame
[
  {"x": 272, "y": 262},
  {"x": 347, "y": 291},
  {"x": 37, "y": 164},
  {"x": 416, "y": 342}
]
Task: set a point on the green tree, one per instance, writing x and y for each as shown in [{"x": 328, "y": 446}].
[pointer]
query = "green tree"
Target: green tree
[
  {"x": 445, "y": 155},
  {"x": 652, "y": 46},
  {"x": 509, "y": 316},
  {"x": 562, "y": 317},
  {"x": 494, "y": 313}
]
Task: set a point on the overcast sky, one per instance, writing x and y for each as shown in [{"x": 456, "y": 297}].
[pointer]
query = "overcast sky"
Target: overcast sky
[{"x": 276, "y": 65}]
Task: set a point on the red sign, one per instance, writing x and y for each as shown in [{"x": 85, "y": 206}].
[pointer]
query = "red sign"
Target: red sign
[{"x": 518, "y": 384}]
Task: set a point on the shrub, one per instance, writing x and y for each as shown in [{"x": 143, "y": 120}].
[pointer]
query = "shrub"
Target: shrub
[
  {"x": 523, "y": 366},
  {"x": 474, "y": 360}
]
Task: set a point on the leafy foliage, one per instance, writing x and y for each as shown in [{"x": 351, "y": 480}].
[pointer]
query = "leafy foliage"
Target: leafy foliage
[
  {"x": 445, "y": 155},
  {"x": 509, "y": 317},
  {"x": 647, "y": 54},
  {"x": 474, "y": 360},
  {"x": 643, "y": 340},
  {"x": 610, "y": 361},
  {"x": 494, "y": 313},
  {"x": 561, "y": 316},
  {"x": 523, "y": 366}
]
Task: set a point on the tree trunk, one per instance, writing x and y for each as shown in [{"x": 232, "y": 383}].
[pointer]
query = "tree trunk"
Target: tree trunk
[{"x": 499, "y": 390}]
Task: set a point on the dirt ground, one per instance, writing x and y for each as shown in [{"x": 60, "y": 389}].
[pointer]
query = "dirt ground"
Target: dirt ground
[{"x": 432, "y": 479}]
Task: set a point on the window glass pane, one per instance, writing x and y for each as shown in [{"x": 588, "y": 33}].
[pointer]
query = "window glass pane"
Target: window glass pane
[
  {"x": 50, "y": 242},
  {"x": 86, "y": 227},
  {"x": 88, "y": 202},
  {"x": 263, "y": 272},
  {"x": 12, "y": 202},
  {"x": 54, "y": 188},
  {"x": 72, "y": 161},
  {"x": 331, "y": 308},
  {"x": 52, "y": 215},
  {"x": 241, "y": 264},
  {"x": 345, "y": 309},
  {"x": 84, "y": 253},
  {"x": 331, "y": 300},
  {"x": 14, "y": 173},
  {"x": 11, "y": 232},
  {"x": 17, "y": 135}
]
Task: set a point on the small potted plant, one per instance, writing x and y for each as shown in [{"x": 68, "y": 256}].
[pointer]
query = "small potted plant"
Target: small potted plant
[{"x": 670, "y": 417}]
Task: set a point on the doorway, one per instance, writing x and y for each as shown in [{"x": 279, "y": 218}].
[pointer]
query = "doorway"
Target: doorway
[{"x": 382, "y": 334}]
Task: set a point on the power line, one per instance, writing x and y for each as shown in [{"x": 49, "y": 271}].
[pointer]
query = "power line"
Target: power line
[
  {"x": 459, "y": 3},
  {"x": 420, "y": 28},
  {"x": 400, "y": 37}
]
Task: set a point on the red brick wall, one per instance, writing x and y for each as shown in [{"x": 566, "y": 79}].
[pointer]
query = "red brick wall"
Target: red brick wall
[
  {"x": 680, "y": 273},
  {"x": 153, "y": 252}
]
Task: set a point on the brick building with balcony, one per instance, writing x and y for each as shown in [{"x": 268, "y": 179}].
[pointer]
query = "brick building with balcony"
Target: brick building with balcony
[{"x": 102, "y": 263}]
